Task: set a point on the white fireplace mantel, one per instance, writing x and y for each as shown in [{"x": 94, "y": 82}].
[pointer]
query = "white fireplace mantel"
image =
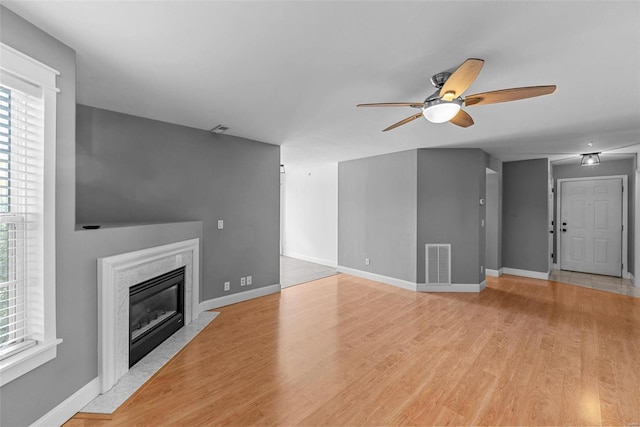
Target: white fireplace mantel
[{"x": 116, "y": 274}]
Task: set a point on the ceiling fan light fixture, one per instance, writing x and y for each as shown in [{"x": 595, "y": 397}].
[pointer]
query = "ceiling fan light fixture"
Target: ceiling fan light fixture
[
  {"x": 440, "y": 111},
  {"x": 590, "y": 159}
]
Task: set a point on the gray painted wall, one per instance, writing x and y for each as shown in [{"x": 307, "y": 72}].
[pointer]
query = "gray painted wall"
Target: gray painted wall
[
  {"x": 605, "y": 168},
  {"x": 525, "y": 233},
  {"x": 377, "y": 214},
  {"x": 390, "y": 206},
  {"x": 493, "y": 216},
  {"x": 135, "y": 169},
  {"x": 451, "y": 183}
]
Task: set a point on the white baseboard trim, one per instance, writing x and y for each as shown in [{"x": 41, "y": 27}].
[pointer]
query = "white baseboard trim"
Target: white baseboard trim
[
  {"x": 70, "y": 406},
  {"x": 526, "y": 273},
  {"x": 321, "y": 261},
  {"x": 556, "y": 267},
  {"x": 239, "y": 297},
  {"x": 405, "y": 284},
  {"x": 627, "y": 275},
  {"x": 454, "y": 287},
  {"x": 493, "y": 273},
  {"x": 399, "y": 283}
]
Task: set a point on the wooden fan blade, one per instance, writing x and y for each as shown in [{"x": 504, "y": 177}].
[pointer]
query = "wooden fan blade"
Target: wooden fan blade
[
  {"x": 461, "y": 79},
  {"x": 506, "y": 95},
  {"x": 393, "y": 104},
  {"x": 403, "y": 122},
  {"x": 462, "y": 119}
]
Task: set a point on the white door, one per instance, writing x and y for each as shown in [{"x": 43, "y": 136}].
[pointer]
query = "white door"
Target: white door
[{"x": 591, "y": 226}]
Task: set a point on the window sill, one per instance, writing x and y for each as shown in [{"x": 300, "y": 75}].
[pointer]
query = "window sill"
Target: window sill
[{"x": 27, "y": 360}]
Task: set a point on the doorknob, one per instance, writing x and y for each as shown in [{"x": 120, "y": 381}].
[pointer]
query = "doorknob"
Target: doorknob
[
  {"x": 564, "y": 230},
  {"x": 564, "y": 223}
]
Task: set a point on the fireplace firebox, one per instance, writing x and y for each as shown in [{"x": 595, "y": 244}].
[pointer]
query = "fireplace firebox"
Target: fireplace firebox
[{"x": 156, "y": 311}]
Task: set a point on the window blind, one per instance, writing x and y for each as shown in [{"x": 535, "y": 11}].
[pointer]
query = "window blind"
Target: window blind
[{"x": 21, "y": 200}]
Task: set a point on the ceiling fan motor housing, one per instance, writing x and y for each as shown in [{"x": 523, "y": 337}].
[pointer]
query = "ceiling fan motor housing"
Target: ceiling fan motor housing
[{"x": 438, "y": 80}]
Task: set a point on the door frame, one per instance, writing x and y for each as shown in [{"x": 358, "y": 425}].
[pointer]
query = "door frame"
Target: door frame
[
  {"x": 625, "y": 214},
  {"x": 553, "y": 260}
]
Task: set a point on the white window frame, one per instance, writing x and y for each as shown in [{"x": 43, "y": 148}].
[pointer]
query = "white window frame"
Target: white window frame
[{"x": 42, "y": 76}]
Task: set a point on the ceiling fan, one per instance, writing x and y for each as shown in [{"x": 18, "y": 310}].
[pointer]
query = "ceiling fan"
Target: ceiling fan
[{"x": 445, "y": 103}]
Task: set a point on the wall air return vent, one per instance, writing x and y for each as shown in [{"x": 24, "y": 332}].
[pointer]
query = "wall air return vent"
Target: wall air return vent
[{"x": 438, "y": 264}]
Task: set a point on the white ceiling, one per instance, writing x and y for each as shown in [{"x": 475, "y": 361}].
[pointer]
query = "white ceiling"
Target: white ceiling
[{"x": 290, "y": 73}]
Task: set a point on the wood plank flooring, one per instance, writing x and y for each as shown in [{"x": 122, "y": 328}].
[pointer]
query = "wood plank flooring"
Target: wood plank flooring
[{"x": 348, "y": 351}]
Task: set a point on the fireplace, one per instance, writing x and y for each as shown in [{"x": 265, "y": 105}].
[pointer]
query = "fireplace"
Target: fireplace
[
  {"x": 116, "y": 275},
  {"x": 156, "y": 311}
]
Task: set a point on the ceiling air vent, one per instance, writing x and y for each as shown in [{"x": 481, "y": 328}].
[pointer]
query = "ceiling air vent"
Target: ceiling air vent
[
  {"x": 438, "y": 264},
  {"x": 219, "y": 129}
]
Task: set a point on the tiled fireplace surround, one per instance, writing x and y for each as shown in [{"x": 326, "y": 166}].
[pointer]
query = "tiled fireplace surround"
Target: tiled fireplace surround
[{"x": 116, "y": 274}]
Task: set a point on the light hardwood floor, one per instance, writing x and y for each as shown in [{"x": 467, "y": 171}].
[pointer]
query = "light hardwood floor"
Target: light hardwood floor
[{"x": 349, "y": 351}]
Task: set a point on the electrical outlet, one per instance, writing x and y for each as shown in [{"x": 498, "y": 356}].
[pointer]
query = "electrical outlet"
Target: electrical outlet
[
  {"x": 367, "y": 261},
  {"x": 220, "y": 224},
  {"x": 227, "y": 285},
  {"x": 249, "y": 280},
  {"x": 243, "y": 281}
]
